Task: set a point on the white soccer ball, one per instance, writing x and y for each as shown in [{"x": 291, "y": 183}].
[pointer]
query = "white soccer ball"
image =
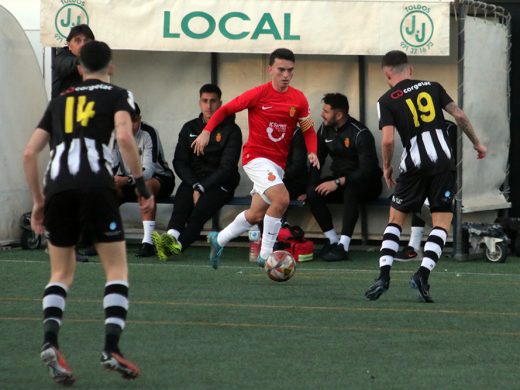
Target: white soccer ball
[{"x": 280, "y": 266}]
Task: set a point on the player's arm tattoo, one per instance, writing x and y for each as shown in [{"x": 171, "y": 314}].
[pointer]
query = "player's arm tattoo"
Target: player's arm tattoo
[{"x": 463, "y": 122}]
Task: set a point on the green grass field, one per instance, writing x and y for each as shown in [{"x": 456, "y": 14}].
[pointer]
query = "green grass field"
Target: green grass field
[{"x": 191, "y": 327}]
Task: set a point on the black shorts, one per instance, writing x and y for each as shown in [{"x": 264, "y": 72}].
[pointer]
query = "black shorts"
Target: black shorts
[
  {"x": 167, "y": 184},
  {"x": 412, "y": 190},
  {"x": 93, "y": 214}
]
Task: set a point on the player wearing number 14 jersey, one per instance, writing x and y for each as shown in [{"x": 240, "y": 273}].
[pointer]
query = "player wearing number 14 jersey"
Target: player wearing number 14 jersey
[
  {"x": 426, "y": 170},
  {"x": 79, "y": 198}
]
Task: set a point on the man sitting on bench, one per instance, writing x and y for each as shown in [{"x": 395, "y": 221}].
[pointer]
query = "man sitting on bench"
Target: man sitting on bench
[
  {"x": 209, "y": 180},
  {"x": 158, "y": 176}
]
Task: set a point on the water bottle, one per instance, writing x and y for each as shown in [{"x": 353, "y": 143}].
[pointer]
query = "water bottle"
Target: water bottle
[{"x": 255, "y": 242}]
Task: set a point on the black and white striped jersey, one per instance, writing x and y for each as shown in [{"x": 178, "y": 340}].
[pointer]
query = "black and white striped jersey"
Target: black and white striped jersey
[
  {"x": 80, "y": 123},
  {"x": 414, "y": 108}
]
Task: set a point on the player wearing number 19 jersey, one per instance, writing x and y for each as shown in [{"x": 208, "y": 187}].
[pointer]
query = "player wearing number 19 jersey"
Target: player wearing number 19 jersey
[{"x": 426, "y": 170}]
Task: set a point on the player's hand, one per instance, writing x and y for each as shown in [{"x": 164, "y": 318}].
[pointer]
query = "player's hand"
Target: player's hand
[
  {"x": 326, "y": 187},
  {"x": 146, "y": 205},
  {"x": 387, "y": 174},
  {"x": 37, "y": 218},
  {"x": 302, "y": 197},
  {"x": 120, "y": 181},
  {"x": 481, "y": 150},
  {"x": 196, "y": 197},
  {"x": 313, "y": 159},
  {"x": 200, "y": 142}
]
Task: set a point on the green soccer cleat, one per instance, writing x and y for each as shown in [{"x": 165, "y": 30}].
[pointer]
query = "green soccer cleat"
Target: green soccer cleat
[
  {"x": 171, "y": 245},
  {"x": 162, "y": 252}
]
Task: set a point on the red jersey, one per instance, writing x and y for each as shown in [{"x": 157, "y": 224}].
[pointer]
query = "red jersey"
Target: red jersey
[{"x": 272, "y": 116}]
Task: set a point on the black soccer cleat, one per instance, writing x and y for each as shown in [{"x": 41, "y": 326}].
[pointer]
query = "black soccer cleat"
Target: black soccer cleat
[
  {"x": 146, "y": 250},
  {"x": 116, "y": 362},
  {"x": 335, "y": 253},
  {"x": 380, "y": 286},
  {"x": 417, "y": 282},
  {"x": 406, "y": 254}
]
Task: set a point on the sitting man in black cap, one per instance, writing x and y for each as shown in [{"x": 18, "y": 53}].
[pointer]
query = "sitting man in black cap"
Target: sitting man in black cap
[{"x": 65, "y": 66}]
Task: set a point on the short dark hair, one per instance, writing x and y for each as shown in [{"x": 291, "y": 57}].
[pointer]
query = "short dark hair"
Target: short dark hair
[
  {"x": 337, "y": 101},
  {"x": 80, "y": 29},
  {"x": 137, "y": 112},
  {"x": 95, "y": 56},
  {"x": 394, "y": 58},
  {"x": 283, "y": 54},
  {"x": 210, "y": 88}
]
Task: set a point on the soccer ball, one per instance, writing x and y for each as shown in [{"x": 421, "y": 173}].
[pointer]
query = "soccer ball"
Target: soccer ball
[{"x": 280, "y": 266}]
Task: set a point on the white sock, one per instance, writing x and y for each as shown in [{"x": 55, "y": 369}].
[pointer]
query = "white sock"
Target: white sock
[
  {"x": 174, "y": 233},
  {"x": 345, "y": 241},
  {"x": 332, "y": 236},
  {"x": 148, "y": 227},
  {"x": 234, "y": 229},
  {"x": 271, "y": 228},
  {"x": 416, "y": 234}
]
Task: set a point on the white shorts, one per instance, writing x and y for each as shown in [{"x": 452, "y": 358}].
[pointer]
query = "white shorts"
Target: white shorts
[{"x": 264, "y": 174}]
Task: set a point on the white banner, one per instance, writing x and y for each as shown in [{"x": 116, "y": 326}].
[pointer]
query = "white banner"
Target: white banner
[{"x": 256, "y": 26}]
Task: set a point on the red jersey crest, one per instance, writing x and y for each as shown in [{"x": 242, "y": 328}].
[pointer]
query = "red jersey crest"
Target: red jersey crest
[
  {"x": 292, "y": 111},
  {"x": 218, "y": 137},
  {"x": 347, "y": 142}
]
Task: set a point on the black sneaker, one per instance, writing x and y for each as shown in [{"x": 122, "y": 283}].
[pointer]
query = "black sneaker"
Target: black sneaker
[
  {"x": 146, "y": 250},
  {"x": 325, "y": 248},
  {"x": 116, "y": 362},
  {"x": 406, "y": 254},
  {"x": 380, "y": 286},
  {"x": 417, "y": 281},
  {"x": 335, "y": 253},
  {"x": 81, "y": 257}
]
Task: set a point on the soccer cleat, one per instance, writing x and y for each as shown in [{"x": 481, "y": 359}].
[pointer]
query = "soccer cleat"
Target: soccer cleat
[
  {"x": 215, "y": 250},
  {"x": 406, "y": 254},
  {"x": 116, "y": 362},
  {"x": 171, "y": 244},
  {"x": 380, "y": 286},
  {"x": 260, "y": 261},
  {"x": 146, "y": 250},
  {"x": 417, "y": 282},
  {"x": 160, "y": 249},
  {"x": 335, "y": 253},
  {"x": 326, "y": 248},
  {"x": 59, "y": 370}
]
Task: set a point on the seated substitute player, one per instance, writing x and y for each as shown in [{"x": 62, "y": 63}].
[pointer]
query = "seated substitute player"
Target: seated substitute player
[
  {"x": 412, "y": 250},
  {"x": 157, "y": 175},
  {"x": 274, "y": 110},
  {"x": 356, "y": 175},
  {"x": 79, "y": 197},
  {"x": 414, "y": 108},
  {"x": 65, "y": 65},
  {"x": 208, "y": 180}
]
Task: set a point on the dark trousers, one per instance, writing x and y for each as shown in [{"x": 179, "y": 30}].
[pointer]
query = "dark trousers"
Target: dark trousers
[
  {"x": 351, "y": 196},
  {"x": 189, "y": 219}
]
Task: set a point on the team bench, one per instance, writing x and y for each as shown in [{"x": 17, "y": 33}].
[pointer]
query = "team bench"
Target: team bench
[
  {"x": 246, "y": 201},
  {"x": 236, "y": 201}
]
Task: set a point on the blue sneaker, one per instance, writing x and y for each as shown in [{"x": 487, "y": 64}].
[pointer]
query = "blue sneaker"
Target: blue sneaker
[
  {"x": 260, "y": 261},
  {"x": 215, "y": 250}
]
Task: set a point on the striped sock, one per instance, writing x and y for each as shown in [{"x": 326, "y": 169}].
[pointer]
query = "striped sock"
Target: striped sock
[
  {"x": 433, "y": 250},
  {"x": 115, "y": 304},
  {"x": 389, "y": 248},
  {"x": 53, "y": 303}
]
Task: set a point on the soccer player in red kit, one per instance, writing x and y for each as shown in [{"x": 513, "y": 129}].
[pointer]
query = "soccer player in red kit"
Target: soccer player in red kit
[{"x": 275, "y": 109}]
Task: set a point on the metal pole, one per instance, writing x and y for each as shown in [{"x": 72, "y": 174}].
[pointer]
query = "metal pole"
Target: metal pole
[
  {"x": 214, "y": 68},
  {"x": 457, "y": 222}
]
